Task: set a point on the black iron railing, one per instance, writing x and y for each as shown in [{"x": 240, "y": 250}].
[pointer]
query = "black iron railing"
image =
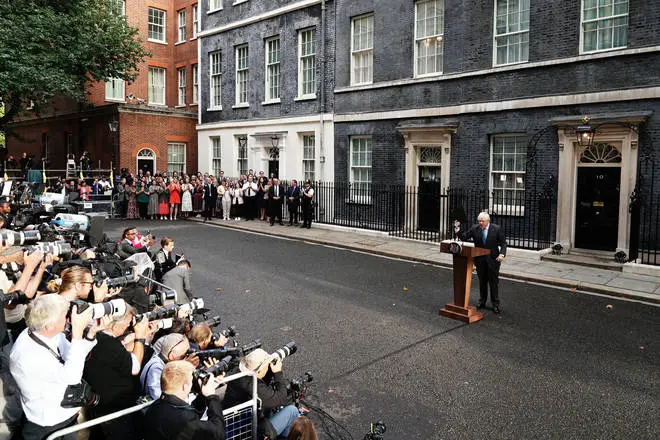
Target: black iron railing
[{"x": 645, "y": 232}]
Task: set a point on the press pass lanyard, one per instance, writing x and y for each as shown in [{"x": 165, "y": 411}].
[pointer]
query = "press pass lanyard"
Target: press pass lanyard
[{"x": 43, "y": 344}]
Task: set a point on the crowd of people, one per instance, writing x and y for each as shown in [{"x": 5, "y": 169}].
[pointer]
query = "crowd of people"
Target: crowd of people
[{"x": 62, "y": 362}]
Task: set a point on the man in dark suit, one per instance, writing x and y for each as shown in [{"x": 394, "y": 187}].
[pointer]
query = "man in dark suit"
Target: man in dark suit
[
  {"x": 489, "y": 236},
  {"x": 210, "y": 199},
  {"x": 178, "y": 279},
  {"x": 276, "y": 196},
  {"x": 293, "y": 202}
]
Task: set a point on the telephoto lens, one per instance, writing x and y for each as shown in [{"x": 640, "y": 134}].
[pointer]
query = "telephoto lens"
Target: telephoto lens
[
  {"x": 115, "y": 307},
  {"x": 12, "y": 298},
  {"x": 285, "y": 351},
  {"x": 164, "y": 323},
  {"x": 13, "y": 238},
  {"x": 55, "y": 248},
  {"x": 197, "y": 303}
]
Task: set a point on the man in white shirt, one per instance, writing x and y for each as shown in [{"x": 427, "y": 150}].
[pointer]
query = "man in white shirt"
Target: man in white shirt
[
  {"x": 306, "y": 197},
  {"x": 44, "y": 363},
  {"x": 250, "y": 189}
]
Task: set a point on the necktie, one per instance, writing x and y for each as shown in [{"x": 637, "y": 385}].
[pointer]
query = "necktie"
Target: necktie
[
  {"x": 483, "y": 234},
  {"x": 276, "y": 192}
]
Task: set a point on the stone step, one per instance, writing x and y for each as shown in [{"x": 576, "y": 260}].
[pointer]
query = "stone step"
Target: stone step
[{"x": 582, "y": 259}]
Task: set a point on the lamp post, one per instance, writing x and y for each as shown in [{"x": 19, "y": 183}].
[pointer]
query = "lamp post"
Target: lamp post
[
  {"x": 585, "y": 133},
  {"x": 114, "y": 127}
]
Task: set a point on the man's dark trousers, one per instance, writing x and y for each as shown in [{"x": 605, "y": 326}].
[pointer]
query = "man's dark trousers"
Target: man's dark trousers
[{"x": 488, "y": 271}]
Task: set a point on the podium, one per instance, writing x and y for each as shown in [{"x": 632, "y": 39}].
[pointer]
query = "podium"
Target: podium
[{"x": 463, "y": 254}]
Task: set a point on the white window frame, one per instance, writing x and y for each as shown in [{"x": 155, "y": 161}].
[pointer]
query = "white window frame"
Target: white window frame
[
  {"x": 170, "y": 155},
  {"x": 440, "y": 38},
  {"x": 215, "y": 80},
  {"x": 181, "y": 86},
  {"x": 152, "y": 86},
  {"x": 365, "y": 53},
  {"x": 181, "y": 26},
  {"x": 195, "y": 13},
  {"x": 301, "y": 58},
  {"x": 216, "y": 155},
  {"x": 496, "y": 206},
  {"x": 117, "y": 88},
  {"x": 241, "y": 160},
  {"x": 509, "y": 35},
  {"x": 360, "y": 191},
  {"x": 163, "y": 26},
  {"x": 215, "y": 5},
  {"x": 597, "y": 20},
  {"x": 309, "y": 160},
  {"x": 195, "y": 83},
  {"x": 273, "y": 70},
  {"x": 242, "y": 75}
]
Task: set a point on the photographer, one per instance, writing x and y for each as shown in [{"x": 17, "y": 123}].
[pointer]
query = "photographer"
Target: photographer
[
  {"x": 276, "y": 406},
  {"x": 44, "y": 364},
  {"x": 172, "y": 418},
  {"x": 110, "y": 371},
  {"x": 132, "y": 243},
  {"x": 78, "y": 283},
  {"x": 202, "y": 338},
  {"x": 178, "y": 279},
  {"x": 174, "y": 347}
]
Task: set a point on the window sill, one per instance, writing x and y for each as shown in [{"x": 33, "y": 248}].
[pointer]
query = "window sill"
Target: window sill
[
  {"x": 428, "y": 75},
  {"x": 509, "y": 64},
  {"x": 213, "y": 11},
  {"x": 194, "y": 104},
  {"x": 238, "y": 2},
  {"x": 164, "y": 43},
  {"x": 507, "y": 211},
  {"x": 180, "y": 106},
  {"x": 180, "y": 42},
  {"x": 193, "y": 38},
  {"x": 107, "y": 99},
  {"x": 156, "y": 104},
  {"x": 241, "y": 105},
  {"x": 611, "y": 49},
  {"x": 271, "y": 101},
  {"x": 214, "y": 109},
  {"x": 361, "y": 84},
  {"x": 305, "y": 98}
]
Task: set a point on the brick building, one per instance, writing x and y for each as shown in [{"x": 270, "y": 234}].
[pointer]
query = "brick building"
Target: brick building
[
  {"x": 267, "y": 88},
  {"x": 149, "y": 123}
]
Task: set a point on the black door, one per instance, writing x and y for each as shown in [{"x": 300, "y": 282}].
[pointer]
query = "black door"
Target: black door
[
  {"x": 428, "y": 199},
  {"x": 146, "y": 165},
  {"x": 597, "y": 210},
  {"x": 274, "y": 168}
]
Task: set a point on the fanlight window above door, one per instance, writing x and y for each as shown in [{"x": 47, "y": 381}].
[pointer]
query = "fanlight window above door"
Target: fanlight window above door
[
  {"x": 601, "y": 153},
  {"x": 430, "y": 155},
  {"x": 146, "y": 153}
]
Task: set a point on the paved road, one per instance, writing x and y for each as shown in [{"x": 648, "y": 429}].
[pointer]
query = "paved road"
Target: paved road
[{"x": 556, "y": 365}]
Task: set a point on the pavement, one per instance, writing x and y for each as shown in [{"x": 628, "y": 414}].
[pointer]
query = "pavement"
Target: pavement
[{"x": 519, "y": 265}]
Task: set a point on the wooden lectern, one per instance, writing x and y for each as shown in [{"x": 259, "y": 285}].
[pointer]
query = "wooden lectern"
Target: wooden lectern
[{"x": 463, "y": 254}]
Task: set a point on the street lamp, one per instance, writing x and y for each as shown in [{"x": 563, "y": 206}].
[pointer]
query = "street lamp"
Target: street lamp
[
  {"x": 242, "y": 141},
  {"x": 585, "y": 133},
  {"x": 274, "y": 141},
  {"x": 114, "y": 127}
]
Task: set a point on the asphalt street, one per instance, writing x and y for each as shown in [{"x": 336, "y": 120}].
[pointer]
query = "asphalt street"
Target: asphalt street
[{"x": 557, "y": 364}]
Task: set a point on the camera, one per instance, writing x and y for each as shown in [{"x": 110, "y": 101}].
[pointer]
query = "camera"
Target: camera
[
  {"x": 76, "y": 396},
  {"x": 12, "y": 298},
  {"x": 229, "y": 332},
  {"x": 376, "y": 431},
  {"x": 115, "y": 307},
  {"x": 171, "y": 310},
  {"x": 14, "y": 238},
  {"x": 164, "y": 323},
  {"x": 298, "y": 386},
  {"x": 286, "y": 350},
  {"x": 227, "y": 351},
  {"x": 204, "y": 374},
  {"x": 55, "y": 248}
]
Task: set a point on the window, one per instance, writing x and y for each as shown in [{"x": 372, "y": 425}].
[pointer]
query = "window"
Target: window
[
  {"x": 429, "y": 36},
  {"x": 242, "y": 157},
  {"x": 176, "y": 157},
  {"x": 362, "y": 54},
  {"x": 182, "y": 26},
  {"x": 508, "y": 158},
  {"x": 119, "y": 7},
  {"x": 156, "y": 86},
  {"x": 309, "y": 156},
  {"x": 307, "y": 63},
  {"x": 511, "y": 31},
  {"x": 114, "y": 89},
  {"x": 217, "y": 155},
  {"x": 242, "y": 74},
  {"x": 181, "y": 83},
  {"x": 195, "y": 84},
  {"x": 360, "y": 161},
  {"x": 273, "y": 69},
  {"x": 195, "y": 12},
  {"x": 214, "y": 5},
  {"x": 156, "y": 25},
  {"x": 604, "y": 24},
  {"x": 215, "y": 72}
]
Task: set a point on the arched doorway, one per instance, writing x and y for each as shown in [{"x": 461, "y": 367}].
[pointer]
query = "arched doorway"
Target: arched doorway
[{"x": 146, "y": 161}]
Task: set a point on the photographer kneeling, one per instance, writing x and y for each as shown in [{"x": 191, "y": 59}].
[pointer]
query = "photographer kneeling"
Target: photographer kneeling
[
  {"x": 44, "y": 364},
  {"x": 276, "y": 406},
  {"x": 172, "y": 418}
]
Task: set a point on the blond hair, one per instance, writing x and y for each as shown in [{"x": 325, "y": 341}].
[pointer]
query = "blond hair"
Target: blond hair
[
  {"x": 44, "y": 310},
  {"x": 175, "y": 375},
  {"x": 73, "y": 275},
  {"x": 200, "y": 332}
]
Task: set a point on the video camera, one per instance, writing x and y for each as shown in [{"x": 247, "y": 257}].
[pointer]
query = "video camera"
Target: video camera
[
  {"x": 171, "y": 310},
  {"x": 115, "y": 307},
  {"x": 13, "y": 298},
  {"x": 100, "y": 277},
  {"x": 234, "y": 352},
  {"x": 297, "y": 387}
]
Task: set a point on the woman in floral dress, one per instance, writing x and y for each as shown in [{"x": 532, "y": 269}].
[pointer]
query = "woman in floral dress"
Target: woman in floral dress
[
  {"x": 186, "y": 197},
  {"x": 132, "y": 210},
  {"x": 154, "y": 192}
]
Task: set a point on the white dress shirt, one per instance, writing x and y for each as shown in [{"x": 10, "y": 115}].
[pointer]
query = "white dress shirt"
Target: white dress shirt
[
  {"x": 250, "y": 189},
  {"x": 42, "y": 379}
]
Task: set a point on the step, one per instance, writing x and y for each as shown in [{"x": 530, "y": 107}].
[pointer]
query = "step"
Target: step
[{"x": 582, "y": 259}]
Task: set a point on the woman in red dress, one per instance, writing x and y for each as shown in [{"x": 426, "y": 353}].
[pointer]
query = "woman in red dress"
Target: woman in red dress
[{"x": 175, "y": 198}]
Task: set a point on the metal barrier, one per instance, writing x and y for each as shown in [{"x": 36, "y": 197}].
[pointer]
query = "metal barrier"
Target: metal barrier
[{"x": 240, "y": 420}]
